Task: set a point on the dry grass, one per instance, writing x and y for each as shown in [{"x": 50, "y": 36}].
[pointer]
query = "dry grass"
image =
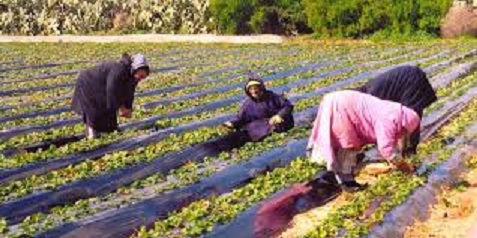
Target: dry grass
[{"x": 455, "y": 214}]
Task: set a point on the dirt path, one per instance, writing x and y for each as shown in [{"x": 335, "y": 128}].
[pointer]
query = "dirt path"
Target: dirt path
[
  {"x": 455, "y": 214},
  {"x": 304, "y": 223},
  {"x": 151, "y": 38}
]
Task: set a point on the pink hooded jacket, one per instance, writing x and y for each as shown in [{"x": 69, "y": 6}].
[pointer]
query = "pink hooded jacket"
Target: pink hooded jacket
[{"x": 350, "y": 120}]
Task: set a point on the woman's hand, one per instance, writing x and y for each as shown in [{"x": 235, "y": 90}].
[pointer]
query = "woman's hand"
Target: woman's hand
[
  {"x": 124, "y": 112},
  {"x": 403, "y": 166},
  {"x": 229, "y": 125},
  {"x": 275, "y": 120}
]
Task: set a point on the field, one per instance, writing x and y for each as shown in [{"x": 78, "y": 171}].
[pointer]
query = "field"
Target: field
[{"x": 165, "y": 175}]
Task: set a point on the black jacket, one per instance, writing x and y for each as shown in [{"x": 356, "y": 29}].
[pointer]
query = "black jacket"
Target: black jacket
[
  {"x": 407, "y": 85},
  {"x": 101, "y": 90}
]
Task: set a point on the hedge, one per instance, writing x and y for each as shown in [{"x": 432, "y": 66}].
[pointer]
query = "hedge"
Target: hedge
[
  {"x": 327, "y": 18},
  {"x": 358, "y": 18}
]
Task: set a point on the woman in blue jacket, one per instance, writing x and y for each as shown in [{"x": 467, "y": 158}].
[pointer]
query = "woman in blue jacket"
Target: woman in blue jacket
[{"x": 263, "y": 112}]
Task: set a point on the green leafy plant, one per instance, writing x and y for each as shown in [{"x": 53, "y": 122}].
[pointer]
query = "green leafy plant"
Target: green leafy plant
[{"x": 357, "y": 18}]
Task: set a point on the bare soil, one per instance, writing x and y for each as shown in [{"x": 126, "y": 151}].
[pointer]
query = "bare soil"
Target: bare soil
[
  {"x": 459, "y": 21},
  {"x": 455, "y": 214},
  {"x": 304, "y": 223}
]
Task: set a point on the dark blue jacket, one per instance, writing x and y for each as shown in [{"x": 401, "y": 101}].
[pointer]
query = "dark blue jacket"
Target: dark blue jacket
[
  {"x": 407, "y": 85},
  {"x": 254, "y": 115},
  {"x": 101, "y": 90}
]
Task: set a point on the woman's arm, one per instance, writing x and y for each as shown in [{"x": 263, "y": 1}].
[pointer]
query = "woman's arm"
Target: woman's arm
[
  {"x": 241, "y": 118},
  {"x": 286, "y": 107},
  {"x": 392, "y": 148}
]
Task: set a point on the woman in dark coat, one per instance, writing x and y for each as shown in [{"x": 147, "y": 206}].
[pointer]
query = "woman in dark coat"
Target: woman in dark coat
[
  {"x": 263, "y": 112},
  {"x": 407, "y": 85},
  {"x": 103, "y": 90}
]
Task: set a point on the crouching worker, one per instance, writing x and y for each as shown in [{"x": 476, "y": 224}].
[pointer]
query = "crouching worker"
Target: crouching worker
[
  {"x": 407, "y": 85},
  {"x": 349, "y": 120},
  {"x": 104, "y": 90},
  {"x": 263, "y": 112}
]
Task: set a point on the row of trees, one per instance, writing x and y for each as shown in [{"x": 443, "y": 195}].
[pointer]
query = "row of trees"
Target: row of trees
[
  {"x": 335, "y": 18},
  {"x": 326, "y": 18}
]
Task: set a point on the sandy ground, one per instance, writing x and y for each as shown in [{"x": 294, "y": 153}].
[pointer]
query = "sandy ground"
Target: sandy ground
[
  {"x": 152, "y": 38},
  {"x": 454, "y": 216},
  {"x": 305, "y": 223}
]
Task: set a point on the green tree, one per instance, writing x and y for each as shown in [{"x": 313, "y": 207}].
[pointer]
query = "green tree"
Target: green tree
[
  {"x": 358, "y": 18},
  {"x": 259, "y": 16},
  {"x": 232, "y": 16}
]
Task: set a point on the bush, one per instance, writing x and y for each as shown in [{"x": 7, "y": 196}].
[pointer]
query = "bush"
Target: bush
[
  {"x": 327, "y": 18},
  {"x": 432, "y": 14},
  {"x": 51, "y": 17},
  {"x": 285, "y": 17},
  {"x": 358, "y": 18},
  {"x": 232, "y": 16}
]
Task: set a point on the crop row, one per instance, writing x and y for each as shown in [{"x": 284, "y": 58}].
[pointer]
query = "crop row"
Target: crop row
[
  {"x": 395, "y": 187},
  {"x": 156, "y": 184},
  {"x": 40, "y": 156},
  {"x": 124, "y": 158},
  {"x": 183, "y": 75},
  {"x": 65, "y": 107},
  {"x": 38, "y": 138},
  {"x": 202, "y": 116},
  {"x": 40, "y": 119},
  {"x": 204, "y": 215}
]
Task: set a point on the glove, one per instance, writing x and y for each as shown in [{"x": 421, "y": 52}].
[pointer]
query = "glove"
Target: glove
[
  {"x": 275, "y": 120},
  {"x": 124, "y": 112},
  {"x": 229, "y": 124}
]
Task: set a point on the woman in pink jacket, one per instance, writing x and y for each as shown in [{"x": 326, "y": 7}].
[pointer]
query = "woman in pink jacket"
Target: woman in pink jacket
[{"x": 349, "y": 120}]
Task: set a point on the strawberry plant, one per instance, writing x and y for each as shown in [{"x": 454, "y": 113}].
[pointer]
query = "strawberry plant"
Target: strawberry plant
[
  {"x": 158, "y": 183},
  {"x": 107, "y": 163},
  {"x": 159, "y": 110},
  {"x": 396, "y": 186},
  {"x": 194, "y": 80}
]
